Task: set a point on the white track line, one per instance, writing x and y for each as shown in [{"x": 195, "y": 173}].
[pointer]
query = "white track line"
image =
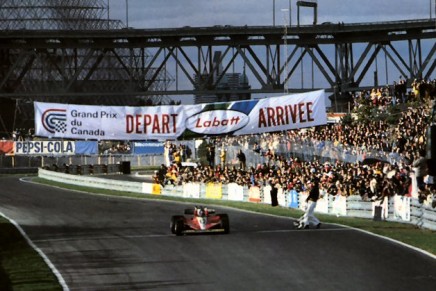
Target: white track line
[
  {"x": 105, "y": 237},
  {"x": 40, "y": 252},
  {"x": 389, "y": 239},
  {"x": 302, "y": 230},
  {"x": 340, "y": 225}
]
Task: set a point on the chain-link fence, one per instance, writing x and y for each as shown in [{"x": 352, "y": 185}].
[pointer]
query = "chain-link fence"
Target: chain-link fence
[
  {"x": 307, "y": 151},
  {"x": 304, "y": 150}
]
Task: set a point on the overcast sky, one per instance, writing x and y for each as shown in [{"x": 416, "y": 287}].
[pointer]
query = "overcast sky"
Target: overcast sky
[{"x": 179, "y": 13}]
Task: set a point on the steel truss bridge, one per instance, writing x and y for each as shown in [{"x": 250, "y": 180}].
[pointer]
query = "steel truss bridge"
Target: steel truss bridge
[{"x": 64, "y": 63}]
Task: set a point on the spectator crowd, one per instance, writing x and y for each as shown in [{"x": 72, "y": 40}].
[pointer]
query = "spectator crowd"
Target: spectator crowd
[
  {"x": 372, "y": 179},
  {"x": 390, "y": 121}
]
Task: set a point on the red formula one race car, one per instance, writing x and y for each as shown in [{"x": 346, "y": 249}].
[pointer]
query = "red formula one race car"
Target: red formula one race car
[{"x": 199, "y": 220}]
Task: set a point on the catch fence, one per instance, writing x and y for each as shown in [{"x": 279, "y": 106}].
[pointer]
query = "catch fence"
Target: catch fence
[{"x": 304, "y": 150}]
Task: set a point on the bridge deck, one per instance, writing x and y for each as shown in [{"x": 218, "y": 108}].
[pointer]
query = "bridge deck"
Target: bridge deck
[{"x": 322, "y": 33}]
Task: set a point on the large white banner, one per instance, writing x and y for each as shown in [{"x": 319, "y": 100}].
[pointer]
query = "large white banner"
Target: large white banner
[{"x": 187, "y": 121}]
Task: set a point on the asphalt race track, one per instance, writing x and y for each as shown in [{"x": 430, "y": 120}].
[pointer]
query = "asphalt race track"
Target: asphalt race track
[{"x": 105, "y": 243}]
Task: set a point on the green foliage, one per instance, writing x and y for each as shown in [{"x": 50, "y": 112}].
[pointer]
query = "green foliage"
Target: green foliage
[
  {"x": 363, "y": 114},
  {"x": 368, "y": 113},
  {"x": 415, "y": 104},
  {"x": 380, "y": 116},
  {"x": 394, "y": 115},
  {"x": 347, "y": 119}
]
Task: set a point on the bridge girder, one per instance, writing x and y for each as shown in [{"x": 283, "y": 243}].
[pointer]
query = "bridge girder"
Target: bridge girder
[{"x": 143, "y": 56}]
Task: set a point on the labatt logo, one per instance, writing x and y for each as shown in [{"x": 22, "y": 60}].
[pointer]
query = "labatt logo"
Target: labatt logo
[{"x": 217, "y": 121}]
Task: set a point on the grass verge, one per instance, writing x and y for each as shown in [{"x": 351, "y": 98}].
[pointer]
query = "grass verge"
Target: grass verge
[{"x": 21, "y": 267}]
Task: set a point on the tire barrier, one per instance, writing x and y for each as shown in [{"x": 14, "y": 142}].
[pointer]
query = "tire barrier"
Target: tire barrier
[
  {"x": 113, "y": 168},
  {"x": 86, "y": 170},
  {"x": 97, "y": 169},
  {"x": 74, "y": 169}
]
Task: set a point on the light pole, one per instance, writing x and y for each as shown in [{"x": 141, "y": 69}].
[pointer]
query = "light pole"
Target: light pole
[
  {"x": 285, "y": 50},
  {"x": 430, "y": 9},
  {"x": 274, "y": 12},
  {"x": 434, "y": 10},
  {"x": 108, "y": 15},
  {"x": 127, "y": 13}
]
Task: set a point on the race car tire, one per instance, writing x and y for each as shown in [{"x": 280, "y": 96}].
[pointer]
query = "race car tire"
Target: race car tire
[
  {"x": 179, "y": 227},
  {"x": 225, "y": 223},
  {"x": 173, "y": 222}
]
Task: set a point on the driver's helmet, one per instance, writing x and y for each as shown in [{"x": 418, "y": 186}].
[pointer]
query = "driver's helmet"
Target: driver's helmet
[{"x": 199, "y": 211}]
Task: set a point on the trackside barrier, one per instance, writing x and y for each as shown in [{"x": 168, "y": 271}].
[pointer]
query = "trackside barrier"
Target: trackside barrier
[
  {"x": 87, "y": 181},
  {"x": 416, "y": 212},
  {"x": 235, "y": 192},
  {"x": 266, "y": 190},
  {"x": 398, "y": 208},
  {"x": 428, "y": 217},
  {"x": 254, "y": 195},
  {"x": 358, "y": 208}
]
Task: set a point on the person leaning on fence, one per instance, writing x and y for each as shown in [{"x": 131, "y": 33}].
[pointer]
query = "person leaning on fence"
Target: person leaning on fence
[
  {"x": 161, "y": 174},
  {"x": 420, "y": 165},
  {"x": 269, "y": 155},
  {"x": 168, "y": 153},
  {"x": 242, "y": 159},
  {"x": 210, "y": 156},
  {"x": 275, "y": 185},
  {"x": 177, "y": 158},
  {"x": 256, "y": 148},
  {"x": 223, "y": 156},
  {"x": 188, "y": 152},
  {"x": 182, "y": 152}
]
